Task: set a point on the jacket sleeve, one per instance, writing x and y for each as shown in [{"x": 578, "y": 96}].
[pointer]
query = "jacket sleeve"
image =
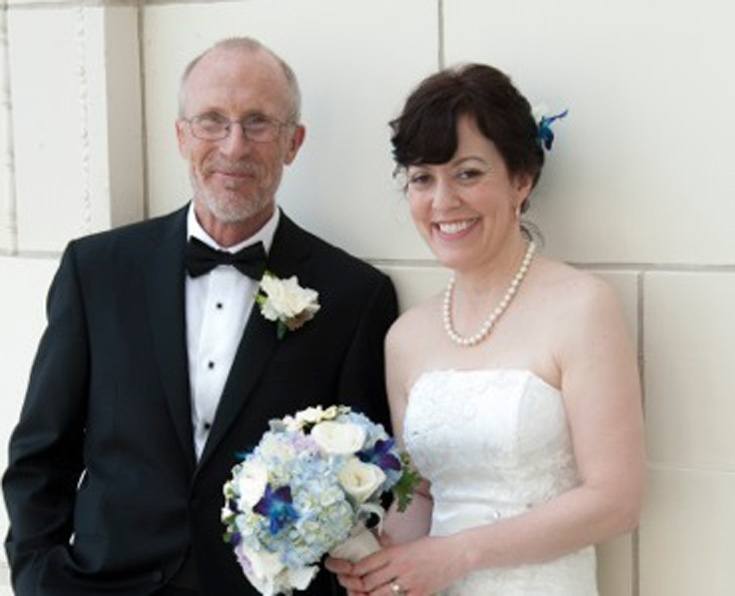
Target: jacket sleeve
[
  {"x": 45, "y": 456},
  {"x": 362, "y": 381}
]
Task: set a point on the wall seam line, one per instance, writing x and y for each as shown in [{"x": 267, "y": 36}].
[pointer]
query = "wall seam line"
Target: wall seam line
[
  {"x": 440, "y": 17},
  {"x": 41, "y": 5},
  {"x": 633, "y": 268},
  {"x": 11, "y": 209},
  {"x": 143, "y": 113},
  {"x": 85, "y": 153},
  {"x": 640, "y": 341}
]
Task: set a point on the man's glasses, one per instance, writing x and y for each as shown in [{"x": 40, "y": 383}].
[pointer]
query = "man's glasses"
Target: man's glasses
[{"x": 215, "y": 127}]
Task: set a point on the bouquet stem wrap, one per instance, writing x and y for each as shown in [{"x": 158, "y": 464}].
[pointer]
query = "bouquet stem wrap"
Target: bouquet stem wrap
[{"x": 361, "y": 543}]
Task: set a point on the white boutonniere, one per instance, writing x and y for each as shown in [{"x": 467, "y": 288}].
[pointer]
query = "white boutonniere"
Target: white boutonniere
[{"x": 286, "y": 302}]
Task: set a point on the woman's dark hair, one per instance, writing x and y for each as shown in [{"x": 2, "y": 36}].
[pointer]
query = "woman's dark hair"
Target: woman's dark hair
[{"x": 426, "y": 130}]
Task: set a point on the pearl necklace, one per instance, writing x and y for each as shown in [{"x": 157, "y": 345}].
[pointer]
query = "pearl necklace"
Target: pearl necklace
[{"x": 487, "y": 325}]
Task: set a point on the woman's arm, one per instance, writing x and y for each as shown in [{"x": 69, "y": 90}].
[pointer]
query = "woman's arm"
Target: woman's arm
[{"x": 416, "y": 520}]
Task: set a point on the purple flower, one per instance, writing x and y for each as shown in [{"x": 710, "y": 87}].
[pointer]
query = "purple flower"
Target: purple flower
[
  {"x": 277, "y": 506},
  {"x": 381, "y": 456}
]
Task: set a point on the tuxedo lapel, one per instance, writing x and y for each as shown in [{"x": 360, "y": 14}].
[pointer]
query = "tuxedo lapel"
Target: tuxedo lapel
[
  {"x": 165, "y": 294},
  {"x": 259, "y": 341}
]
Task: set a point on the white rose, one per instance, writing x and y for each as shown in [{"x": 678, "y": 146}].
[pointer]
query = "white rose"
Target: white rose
[
  {"x": 251, "y": 481},
  {"x": 339, "y": 438},
  {"x": 264, "y": 570},
  {"x": 360, "y": 480},
  {"x": 310, "y": 415},
  {"x": 292, "y": 424},
  {"x": 287, "y": 301}
]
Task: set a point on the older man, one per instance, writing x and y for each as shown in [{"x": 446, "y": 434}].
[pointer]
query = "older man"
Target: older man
[{"x": 156, "y": 368}]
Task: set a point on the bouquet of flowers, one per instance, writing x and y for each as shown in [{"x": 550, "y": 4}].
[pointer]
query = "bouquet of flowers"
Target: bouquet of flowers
[{"x": 308, "y": 489}]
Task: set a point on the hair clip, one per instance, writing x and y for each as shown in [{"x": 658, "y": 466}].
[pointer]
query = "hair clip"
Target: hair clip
[{"x": 544, "y": 134}]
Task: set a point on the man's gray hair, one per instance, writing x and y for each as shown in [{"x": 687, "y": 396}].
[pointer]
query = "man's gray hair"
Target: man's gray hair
[{"x": 247, "y": 44}]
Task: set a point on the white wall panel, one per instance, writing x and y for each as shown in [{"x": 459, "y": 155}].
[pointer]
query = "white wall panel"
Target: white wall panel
[
  {"x": 5, "y": 581},
  {"x": 7, "y": 185},
  {"x": 22, "y": 319},
  {"x": 642, "y": 163},
  {"x": 355, "y": 62},
  {"x": 690, "y": 348},
  {"x": 77, "y": 122},
  {"x": 58, "y": 143},
  {"x": 687, "y": 537},
  {"x": 124, "y": 115},
  {"x": 615, "y": 575},
  {"x": 416, "y": 284}
]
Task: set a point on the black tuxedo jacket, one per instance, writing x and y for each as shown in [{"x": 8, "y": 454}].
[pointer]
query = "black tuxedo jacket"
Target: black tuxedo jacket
[{"x": 103, "y": 490}]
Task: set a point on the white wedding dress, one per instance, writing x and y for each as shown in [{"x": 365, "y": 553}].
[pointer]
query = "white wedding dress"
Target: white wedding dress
[{"x": 494, "y": 443}]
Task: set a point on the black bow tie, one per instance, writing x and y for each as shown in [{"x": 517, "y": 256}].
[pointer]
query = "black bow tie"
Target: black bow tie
[{"x": 201, "y": 258}]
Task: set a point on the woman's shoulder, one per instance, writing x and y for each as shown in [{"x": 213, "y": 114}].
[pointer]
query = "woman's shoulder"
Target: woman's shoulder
[
  {"x": 415, "y": 322},
  {"x": 570, "y": 286},
  {"x": 576, "y": 299}
]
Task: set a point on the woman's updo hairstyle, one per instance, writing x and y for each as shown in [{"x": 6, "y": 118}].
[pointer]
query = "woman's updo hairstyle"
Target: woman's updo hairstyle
[{"x": 426, "y": 130}]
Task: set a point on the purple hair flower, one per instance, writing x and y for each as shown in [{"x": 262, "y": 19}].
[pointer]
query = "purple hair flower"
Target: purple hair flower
[
  {"x": 381, "y": 456},
  {"x": 277, "y": 506}
]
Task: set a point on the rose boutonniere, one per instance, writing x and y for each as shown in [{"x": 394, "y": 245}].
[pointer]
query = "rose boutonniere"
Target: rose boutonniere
[{"x": 286, "y": 302}]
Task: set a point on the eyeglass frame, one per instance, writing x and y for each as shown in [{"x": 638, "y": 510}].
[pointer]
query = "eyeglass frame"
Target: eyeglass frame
[{"x": 227, "y": 123}]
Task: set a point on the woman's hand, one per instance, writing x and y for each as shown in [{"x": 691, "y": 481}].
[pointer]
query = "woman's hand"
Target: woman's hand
[
  {"x": 345, "y": 575},
  {"x": 420, "y": 568}
]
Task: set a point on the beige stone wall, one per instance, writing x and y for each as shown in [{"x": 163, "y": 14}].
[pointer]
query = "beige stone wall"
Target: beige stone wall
[{"x": 639, "y": 187}]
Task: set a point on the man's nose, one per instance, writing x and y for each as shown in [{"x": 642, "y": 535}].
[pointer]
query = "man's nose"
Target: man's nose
[{"x": 235, "y": 144}]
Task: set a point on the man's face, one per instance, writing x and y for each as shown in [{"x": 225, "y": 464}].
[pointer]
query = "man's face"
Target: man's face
[{"x": 236, "y": 178}]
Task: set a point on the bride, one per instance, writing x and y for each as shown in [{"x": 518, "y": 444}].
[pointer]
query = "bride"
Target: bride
[{"x": 515, "y": 391}]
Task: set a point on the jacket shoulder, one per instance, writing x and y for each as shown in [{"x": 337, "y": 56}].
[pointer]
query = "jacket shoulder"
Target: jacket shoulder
[{"x": 337, "y": 259}]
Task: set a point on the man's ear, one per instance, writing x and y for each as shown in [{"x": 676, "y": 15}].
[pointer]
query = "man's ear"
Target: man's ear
[
  {"x": 294, "y": 143},
  {"x": 182, "y": 138}
]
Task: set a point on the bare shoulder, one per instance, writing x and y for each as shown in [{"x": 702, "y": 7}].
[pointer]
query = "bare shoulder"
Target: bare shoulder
[
  {"x": 574, "y": 293},
  {"x": 584, "y": 315},
  {"x": 412, "y": 324}
]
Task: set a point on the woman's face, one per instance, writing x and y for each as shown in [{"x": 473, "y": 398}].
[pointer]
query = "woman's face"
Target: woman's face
[{"x": 465, "y": 209}]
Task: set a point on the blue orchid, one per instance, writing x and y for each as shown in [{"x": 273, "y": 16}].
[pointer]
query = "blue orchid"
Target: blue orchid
[
  {"x": 380, "y": 455},
  {"x": 277, "y": 506},
  {"x": 545, "y": 134}
]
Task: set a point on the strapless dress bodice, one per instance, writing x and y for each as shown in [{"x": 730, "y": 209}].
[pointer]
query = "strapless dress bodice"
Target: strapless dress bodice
[{"x": 494, "y": 443}]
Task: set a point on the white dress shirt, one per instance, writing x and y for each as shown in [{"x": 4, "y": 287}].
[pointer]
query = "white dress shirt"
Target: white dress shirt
[{"x": 218, "y": 305}]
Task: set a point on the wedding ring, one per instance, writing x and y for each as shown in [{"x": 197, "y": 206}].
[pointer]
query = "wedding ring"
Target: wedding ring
[{"x": 396, "y": 588}]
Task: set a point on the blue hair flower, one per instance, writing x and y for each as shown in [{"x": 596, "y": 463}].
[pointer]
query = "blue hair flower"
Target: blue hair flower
[
  {"x": 277, "y": 506},
  {"x": 380, "y": 455},
  {"x": 545, "y": 135}
]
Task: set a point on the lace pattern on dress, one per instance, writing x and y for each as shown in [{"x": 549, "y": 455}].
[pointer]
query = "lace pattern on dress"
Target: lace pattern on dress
[{"x": 495, "y": 443}]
